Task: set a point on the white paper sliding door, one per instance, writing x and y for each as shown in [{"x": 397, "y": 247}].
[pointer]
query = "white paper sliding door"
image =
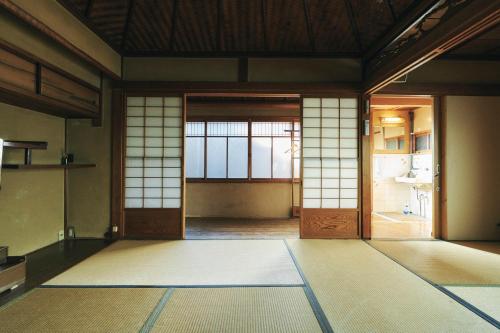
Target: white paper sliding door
[
  {"x": 154, "y": 166},
  {"x": 330, "y": 174}
]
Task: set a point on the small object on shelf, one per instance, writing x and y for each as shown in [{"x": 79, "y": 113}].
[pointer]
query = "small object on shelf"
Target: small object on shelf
[
  {"x": 71, "y": 232},
  {"x": 27, "y": 146},
  {"x": 67, "y": 159}
]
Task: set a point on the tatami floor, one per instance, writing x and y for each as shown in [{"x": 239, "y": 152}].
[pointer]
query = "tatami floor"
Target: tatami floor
[{"x": 268, "y": 286}]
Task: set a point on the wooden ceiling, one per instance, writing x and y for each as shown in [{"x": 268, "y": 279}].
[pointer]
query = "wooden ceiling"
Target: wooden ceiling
[{"x": 240, "y": 27}]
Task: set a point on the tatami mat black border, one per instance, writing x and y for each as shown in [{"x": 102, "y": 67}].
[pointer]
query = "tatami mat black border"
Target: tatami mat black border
[
  {"x": 153, "y": 316},
  {"x": 445, "y": 291},
  {"x": 313, "y": 301}
]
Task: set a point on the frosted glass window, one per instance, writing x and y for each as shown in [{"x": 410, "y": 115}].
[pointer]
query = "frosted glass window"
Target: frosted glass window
[
  {"x": 216, "y": 157},
  {"x": 237, "y": 159},
  {"x": 195, "y": 157},
  {"x": 282, "y": 158},
  {"x": 261, "y": 157}
]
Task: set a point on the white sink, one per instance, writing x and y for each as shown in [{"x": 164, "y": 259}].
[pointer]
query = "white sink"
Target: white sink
[{"x": 414, "y": 181}]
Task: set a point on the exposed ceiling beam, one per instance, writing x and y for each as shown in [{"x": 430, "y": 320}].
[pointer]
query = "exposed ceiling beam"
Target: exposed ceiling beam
[
  {"x": 310, "y": 34},
  {"x": 220, "y": 25},
  {"x": 88, "y": 8},
  {"x": 413, "y": 14},
  {"x": 126, "y": 27},
  {"x": 354, "y": 26},
  {"x": 391, "y": 9},
  {"x": 173, "y": 20},
  {"x": 445, "y": 27},
  {"x": 263, "y": 13}
]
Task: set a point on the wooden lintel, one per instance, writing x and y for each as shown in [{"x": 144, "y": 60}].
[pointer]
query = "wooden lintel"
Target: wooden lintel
[
  {"x": 251, "y": 89},
  {"x": 441, "y": 89},
  {"x": 459, "y": 23}
]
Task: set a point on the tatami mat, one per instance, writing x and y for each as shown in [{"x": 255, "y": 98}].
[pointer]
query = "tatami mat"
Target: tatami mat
[
  {"x": 443, "y": 262},
  {"x": 486, "y": 299},
  {"x": 196, "y": 262},
  {"x": 80, "y": 310},
  {"x": 237, "y": 310},
  {"x": 361, "y": 290}
]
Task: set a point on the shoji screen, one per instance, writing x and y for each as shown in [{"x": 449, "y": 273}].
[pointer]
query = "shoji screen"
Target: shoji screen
[
  {"x": 330, "y": 167},
  {"x": 153, "y": 166}
]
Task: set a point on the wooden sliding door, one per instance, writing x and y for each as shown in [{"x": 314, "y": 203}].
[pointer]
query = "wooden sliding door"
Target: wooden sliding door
[
  {"x": 330, "y": 168},
  {"x": 154, "y": 167}
]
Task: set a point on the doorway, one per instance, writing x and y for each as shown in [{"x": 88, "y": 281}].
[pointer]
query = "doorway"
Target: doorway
[
  {"x": 242, "y": 166},
  {"x": 402, "y": 156}
]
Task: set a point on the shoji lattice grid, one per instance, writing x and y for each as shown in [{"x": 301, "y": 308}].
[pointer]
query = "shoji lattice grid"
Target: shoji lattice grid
[
  {"x": 153, "y": 166},
  {"x": 330, "y": 152}
]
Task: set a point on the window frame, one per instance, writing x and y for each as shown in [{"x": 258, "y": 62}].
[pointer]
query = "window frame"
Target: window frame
[{"x": 249, "y": 121}]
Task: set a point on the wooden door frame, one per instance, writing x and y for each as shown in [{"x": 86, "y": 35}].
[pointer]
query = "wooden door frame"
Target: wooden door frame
[
  {"x": 118, "y": 126},
  {"x": 122, "y": 89},
  {"x": 439, "y": 186}
]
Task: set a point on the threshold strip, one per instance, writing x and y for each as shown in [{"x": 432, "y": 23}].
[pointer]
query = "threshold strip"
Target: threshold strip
[
  {"x": 313, "y": 301},
  {"x": 445, "y": 291},
  {"x": 153, "y": 316}
]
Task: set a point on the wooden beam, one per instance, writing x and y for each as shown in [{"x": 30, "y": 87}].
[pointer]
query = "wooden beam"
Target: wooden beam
[
  {"x": 408, "y": 101},
  {"x": 126, "y": 27},
  {"x": 354, "y": 25},
  {"x": 220, "y": 25},
  {"x": 263, "y": 17},
  {"x": 441, "y": 89},
  {"x": 416, "y": 12},
  {"x": 310, "y": 34},
  {"x": 171, "y": 40},
  {"x": 117, "y": 162},
  {"x": 445, "y": 27},
  {"x": 44, "y": 29},
  {"x": 243, "y": 106},
  {"x": 240, "y": 88}
]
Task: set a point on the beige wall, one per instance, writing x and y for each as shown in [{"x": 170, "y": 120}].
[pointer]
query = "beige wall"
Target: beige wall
[
  {"x": 31, "y": 202},
  {"x": 180, "y": 69},
  {"x": 303, "y": 70},
  {"x": 472, "y": 167},
  {"x": 89, "y": 190},
  {"x": 249, "y": 200},
  {"x": 57, "y": 18},
  {"x": 226, "y": 69},
  {"x": 19, "y": 34},
  {"x": 454, "y": 71}
]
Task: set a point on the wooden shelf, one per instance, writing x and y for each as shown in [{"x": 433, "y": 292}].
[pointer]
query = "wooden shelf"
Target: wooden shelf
[{"x": 46, "y": 166}]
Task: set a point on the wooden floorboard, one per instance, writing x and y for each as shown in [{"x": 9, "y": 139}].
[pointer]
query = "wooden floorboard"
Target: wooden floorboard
[
  {"x": 47, "y": 262},
  {"x": 220, "y": 228}
]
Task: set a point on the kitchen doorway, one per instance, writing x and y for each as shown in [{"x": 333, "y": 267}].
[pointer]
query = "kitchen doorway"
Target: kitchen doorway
[{"x": 402, "y": 153}]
